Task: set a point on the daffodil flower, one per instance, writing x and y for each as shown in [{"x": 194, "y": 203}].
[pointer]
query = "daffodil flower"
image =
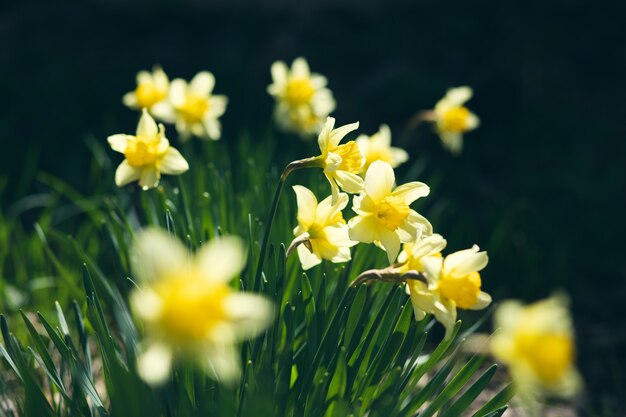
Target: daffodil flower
[
  {"x": 452, "y": 118},
  {"x": 536, "y": 342},
  {"x": 188, "y": 308},
  {"x": 194, "y": 108},
  {"x": 322, "y": 233},
  {"x": 378, "y": 148},
  {"x": 151, "y": 92},
  {"x": 453, "y": 282},
  {"x": 384, "y": 216},
  {"x": 148, "y": 155},
  {"x": 341, "y": 163},
  {"x": 302, "y": 99}
]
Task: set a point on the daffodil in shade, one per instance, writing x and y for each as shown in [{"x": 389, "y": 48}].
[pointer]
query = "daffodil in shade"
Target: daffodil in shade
[
  {"x": 341, "y": 163},
  {"x": 189, "y": 310},
  {"x": 453, "y": 119},
  {"x": 302, "y": 99},
  {"x": 148, "y": 154},
  {"x": 194, "y": 108},
  {"x": 383, "y": 212},
  {"x": 151, "y": 92},
  {"x": 322, "y": 233},
  {"x": 453, "y": 282},
  {"x": 378, "y": 148},
  {"x": 536, "y": 342}
]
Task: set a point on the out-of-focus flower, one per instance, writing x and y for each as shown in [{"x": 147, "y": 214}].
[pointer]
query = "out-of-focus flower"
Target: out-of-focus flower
[
  {"x": 536, "y": 342},
  {"x": 378, "y": 148},
  {"x": 148, "y": 155},
  {"x": 188, "y": 308},
  {"x": 322, "y": 233},
  {"x": 194, "y": 108},
  {"x": 341, "y": 163},
  {"x": 384, "y": 216},
  {"x": 302, "y": 100},
  {"x": 151, "y": 92},
  {"x": 453, "y": 282},
  {"x": 452, "y": 118}
]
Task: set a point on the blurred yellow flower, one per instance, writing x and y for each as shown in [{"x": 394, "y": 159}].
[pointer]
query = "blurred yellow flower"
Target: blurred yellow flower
[
  {"x": 148, "y": 155},
  {"x": 322, "y": 233},
  {"x": 341, "y": 163},
  {"x": 453, "y": 119},
  {"x": 536, "y": 342},
  {"x": 302, "y": 99},
  {"x": 194, "y": 108},
  {"x": 453, "y": 282},
  {"x": 384, "y": 216},
  {"x": 151, "y": 92},
  {"x": 188, "y": 308},
  {"x": 378, "y": 148}
]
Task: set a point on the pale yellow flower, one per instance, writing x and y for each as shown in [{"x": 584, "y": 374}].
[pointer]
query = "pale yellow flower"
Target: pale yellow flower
[
  {"x": 151, "y": 92},
  {"x": 453, "y": 119},
  {"x": 453, "y": 282},
  {"x": 188, "y": 308},
  {"x": 384, "y": 216},
  {"x": 148, "y": 155},
  {"x": 194, "y": 108},
  {"x": 322, "y": 232},
  {"x": 536, "y": 342},
  {"x": 341, "y": 163},
  {"x": 302, "y": 99},
  {"x": 378, "y": 148}
]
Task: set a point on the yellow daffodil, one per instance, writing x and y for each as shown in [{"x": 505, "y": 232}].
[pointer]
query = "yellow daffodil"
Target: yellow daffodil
[
  {"x": 194, "y": 108},
  {"x": 384, "y": 216},
  {"x": 302, "y": 99},
  {"x": 188, "y": 308},
  {"x": 378, "y": 148},
  {"x": 322, "y": 233},
  {"x": 151, "y": 92},
  {"x": 341, "y": 163},
  {"x": 453, "y": 119},
  {"x": 148, "y": 155},
  {"x": 453, "y": 282},
  {"x": 536, "y": 342}
]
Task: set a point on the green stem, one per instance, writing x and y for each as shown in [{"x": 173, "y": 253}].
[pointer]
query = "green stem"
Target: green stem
[{"x": 302, "y": 163}]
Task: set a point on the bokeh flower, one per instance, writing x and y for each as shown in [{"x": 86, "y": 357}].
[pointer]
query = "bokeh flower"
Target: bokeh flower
[
  {"x": 194, "y": 108},
  {"x": 148, "y": 154},
  {"x": 151, "y": 92},
  {"x": 453, "y": 282},
  {"x": 536, "y": 342},
  {"x": 383, "y": 213},
  {"x": 453, "y": 119},
  {"x": 188, "y": 308},
  {"x": 322, "y": 232},
  {"x": 378, "y": 148},
  {"x": 302, "y": 100}
]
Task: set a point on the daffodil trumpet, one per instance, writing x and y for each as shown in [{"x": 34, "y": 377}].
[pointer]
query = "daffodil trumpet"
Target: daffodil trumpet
[{"x": 389, "y": 274}]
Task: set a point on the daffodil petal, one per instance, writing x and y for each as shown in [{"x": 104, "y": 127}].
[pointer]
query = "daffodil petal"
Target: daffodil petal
[
  {"x": 149, "y": 177},
  {"x": 173, "y": 162},
  {"x": 307, "y": 258},
  {"x": 222, "y": 259},
  {"x": 379, "y": 180},
  {"x": 118, "y": 142},
  {"x": 349, "y": 182},
  {"x": 411, "y": 191},
  {"x": 336, "y": 135},
  {"x": 222, "y": 362},
  {"x": 251, "y": 314},
  {"x": 459, "y": 95},
  {"x": 300, "y": 68},
  {"x": 125, "y": 173},
  {"x": 363, "y": 229},
  {"x": 155, "y": 363},
  {"x": 391, "y": 243},
  {"x": 202, "y": 83},
  {"x": 483, "y": 301},
  {"x": 156, "y": 255},
  {"x": 326, "y": 211},
  {"x": 307, "y": 205},
  {"x": 147, "y": 127},
  {"x": 465, "y": 262}
]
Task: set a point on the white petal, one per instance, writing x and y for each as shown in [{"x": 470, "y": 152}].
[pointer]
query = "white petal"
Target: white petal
[
  {"x": 250, "y": 314},
  {"x": 391, "y": 243},
  {"x": 432, "y": 267},
  {"x": 349, "y": 182},
  {"x": 222, "y": 259},
  {"x": 147, "y": 127},
  {"x": 164, "y": 111},
  {"x": 307, "y": 205},
  {"x": 178, "y": 92},
  {"x": 143, "y": 77},
  {"x": 154, "y": 364},
  {"x": 326, "y": 210},
  {"x": 428, "y": 246},
  {"x": 146, "y": 303},
  {"x": 323, "y": 140},
  {"x": 459, "y": 95},
  {"x": 307, "y": 258},
  {"x": 279, "y": 73},
  {"x": 300, "y": 68},
  {"x": 339, "y": 236},
  {"x": 336, "y": 135},
  {"x": 411, "y": 191},
  {"x": 173, "y": 162},
  {"x": 465, "y": 262},
  {"x": 399, "y": 156},
  {"x": 203, "y": 83},
  {"x": 130, "y": 99},
  {"x": 445, "y": 313},
  {"x": 452, "y": 141},
  {"x": 473, "y": 121},
  {"x": 483, "y": 301},
  {"x": 379, "y": 180},
  {"x": 149, "y": 177},
  {"x": 223, "y": 363},
  {"x": 157, "y": 255},
  {"x": 125, "y": 173},
  {"x": 363, "y": 229},
  {"x": 118, "y": 142}
]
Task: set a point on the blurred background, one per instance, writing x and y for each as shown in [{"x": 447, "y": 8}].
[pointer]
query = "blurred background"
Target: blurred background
[{"x": 539, "y": 184}]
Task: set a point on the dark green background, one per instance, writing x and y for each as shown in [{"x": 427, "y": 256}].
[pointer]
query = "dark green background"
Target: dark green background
[{"x": 540, "y": 184}]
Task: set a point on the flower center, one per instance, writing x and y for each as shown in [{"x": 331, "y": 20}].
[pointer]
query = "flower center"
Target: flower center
[
  {"x": 351, "y": 157},
  {"x": 299, "y": 91},
  {"x": 549, "y": 355},
  {"x": 191, "y": 306},
  {"x": 455, "y": 119},
  {"x": 392, "y": 212},
  {"x": 141, "y": 151},
  {"x": 148, "y": 94},
  {"x": 194, "y": 108},
  {"x": 463, "y": 291}
]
